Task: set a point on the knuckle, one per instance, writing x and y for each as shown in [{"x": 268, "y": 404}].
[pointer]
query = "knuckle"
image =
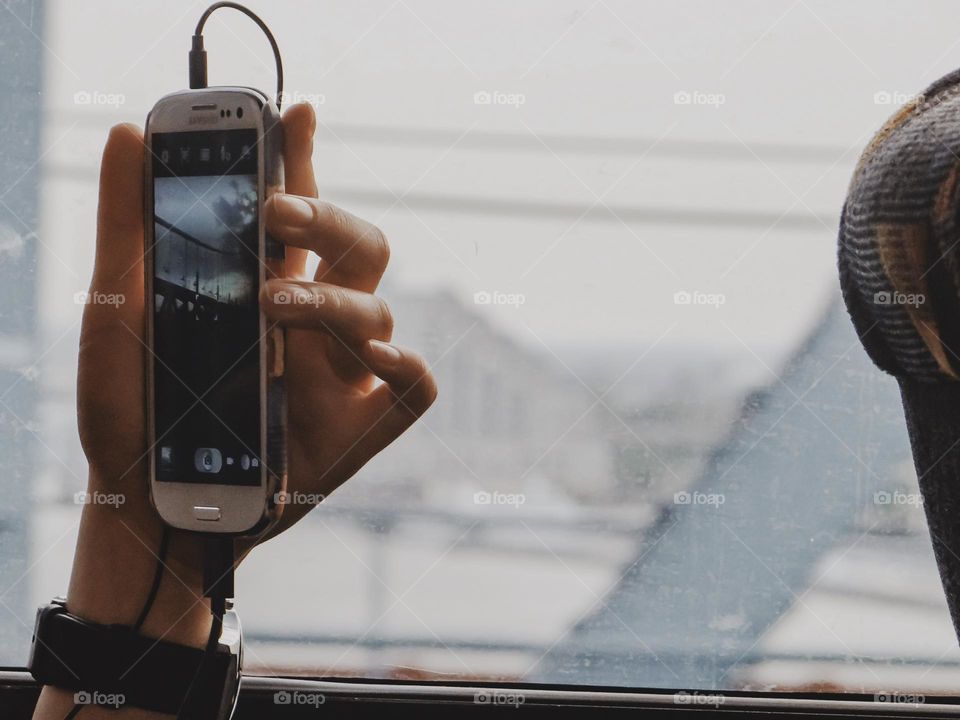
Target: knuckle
[
  {"x": 430, "y": 389},
  {"x": 318, "y": 297},
  {"x": 366, "y": 243},
  {"x": 425, "y": 394},
  {"x": 334, "y": 300},
  {"x": 379, "y": 246},
  {"x": 384, "y": 316},
  {"x": 424, "y": 389},
  {"x": 332, "y": 217}
]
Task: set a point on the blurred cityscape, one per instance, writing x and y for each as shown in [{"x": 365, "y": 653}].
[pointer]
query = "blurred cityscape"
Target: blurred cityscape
[{"x": 520, "y": 557}]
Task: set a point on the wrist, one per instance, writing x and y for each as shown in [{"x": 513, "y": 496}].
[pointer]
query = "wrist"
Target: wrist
[
  {"x": 114, "y": 567},
  {"x": 113, "y": 571}
]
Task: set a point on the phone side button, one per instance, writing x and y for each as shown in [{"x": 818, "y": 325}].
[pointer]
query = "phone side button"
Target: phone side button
[{"x": 204, "y": 512}]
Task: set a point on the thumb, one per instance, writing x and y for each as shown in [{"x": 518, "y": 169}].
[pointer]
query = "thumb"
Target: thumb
[
  {"x": 116, "y": 291},
  {"x": 110, "y": 372}
]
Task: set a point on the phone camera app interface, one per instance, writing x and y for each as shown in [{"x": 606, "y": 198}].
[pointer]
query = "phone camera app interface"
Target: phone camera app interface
[
  {"x": 206, "y": 312},
  {"x": 208, "y": 460}
]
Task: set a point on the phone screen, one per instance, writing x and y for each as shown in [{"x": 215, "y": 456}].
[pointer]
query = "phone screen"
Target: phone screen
[{"x": 206, "y": 336}]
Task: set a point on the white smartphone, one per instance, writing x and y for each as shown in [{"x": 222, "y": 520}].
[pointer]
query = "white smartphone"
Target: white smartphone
[{"x": 216, "y": 407}]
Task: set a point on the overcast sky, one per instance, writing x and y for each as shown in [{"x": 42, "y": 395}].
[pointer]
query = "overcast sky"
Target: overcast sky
[{"x": 635, "y": 149}]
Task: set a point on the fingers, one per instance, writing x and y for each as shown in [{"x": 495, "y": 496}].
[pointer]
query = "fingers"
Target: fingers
[
  {"x": 299, "y": 124},
  {"x": 354, "y": 252},
  {"x": 116, "y": 290},
  {"x": 350, "y": 316},
  {"x": 408, "y": 391}
]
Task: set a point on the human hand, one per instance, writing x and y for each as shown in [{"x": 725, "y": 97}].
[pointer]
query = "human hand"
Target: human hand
[{"x": 336, "y": 347}]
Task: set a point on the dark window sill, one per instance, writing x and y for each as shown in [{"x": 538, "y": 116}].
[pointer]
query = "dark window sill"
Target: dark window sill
[{"x": 263, "y": 697}]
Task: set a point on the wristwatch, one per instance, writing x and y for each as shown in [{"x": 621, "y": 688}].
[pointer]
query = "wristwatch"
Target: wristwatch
[{"x": 113, "y": 665}]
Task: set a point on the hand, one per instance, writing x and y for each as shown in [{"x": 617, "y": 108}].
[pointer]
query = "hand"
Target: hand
[{"x": 336, "y": 347}]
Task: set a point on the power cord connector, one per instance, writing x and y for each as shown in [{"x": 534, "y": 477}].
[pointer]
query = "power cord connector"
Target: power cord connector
[{"x": 198, "y": 55}]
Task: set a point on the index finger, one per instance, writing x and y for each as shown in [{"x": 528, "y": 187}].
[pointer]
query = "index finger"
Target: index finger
[{"x": 299, "y": 125}]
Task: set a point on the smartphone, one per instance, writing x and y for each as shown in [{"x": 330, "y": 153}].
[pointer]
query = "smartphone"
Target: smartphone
[{"x": 215, "y": 396}]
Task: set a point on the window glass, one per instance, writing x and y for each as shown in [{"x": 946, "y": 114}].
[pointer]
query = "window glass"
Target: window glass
[{"x": 659, "y": 457}]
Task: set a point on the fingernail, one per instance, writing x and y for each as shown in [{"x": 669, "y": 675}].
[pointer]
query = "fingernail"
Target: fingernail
[
  {"x": 292, "y": 210},
  {"x": 385, "y": 353}
]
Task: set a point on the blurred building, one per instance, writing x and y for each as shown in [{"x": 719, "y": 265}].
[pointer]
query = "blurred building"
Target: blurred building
[
  {"x": 800, "y": 559},
  {"x": 508, "y": 419}
]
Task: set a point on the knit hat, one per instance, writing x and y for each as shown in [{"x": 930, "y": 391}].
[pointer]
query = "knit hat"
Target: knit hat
[{"x": 899, "y": 262}]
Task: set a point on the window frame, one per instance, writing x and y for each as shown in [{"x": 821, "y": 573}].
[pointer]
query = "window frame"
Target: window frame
[{"x": 343, "y": 698}]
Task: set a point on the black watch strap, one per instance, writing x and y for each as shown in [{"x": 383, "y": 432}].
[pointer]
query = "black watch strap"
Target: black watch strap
[{"x": 110, "y": 661}]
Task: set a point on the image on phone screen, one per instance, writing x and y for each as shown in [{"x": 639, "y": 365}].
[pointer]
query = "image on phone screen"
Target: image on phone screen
[{"x": 206, "y": 312}]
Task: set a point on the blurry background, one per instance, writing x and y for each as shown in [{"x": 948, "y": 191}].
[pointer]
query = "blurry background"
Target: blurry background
[{"x": 659, "y": 457}]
